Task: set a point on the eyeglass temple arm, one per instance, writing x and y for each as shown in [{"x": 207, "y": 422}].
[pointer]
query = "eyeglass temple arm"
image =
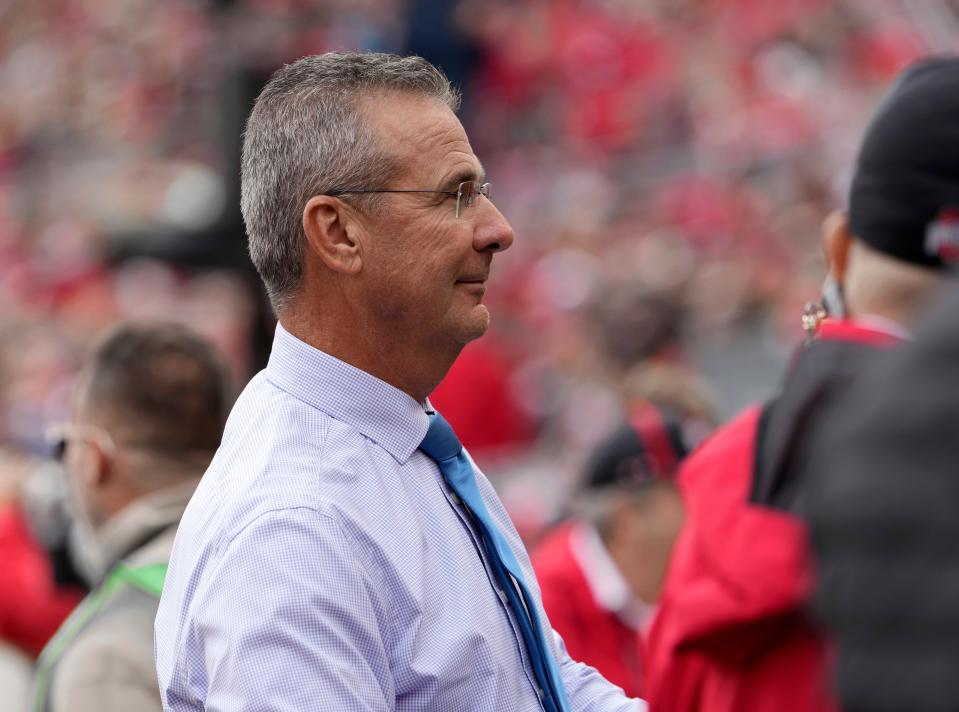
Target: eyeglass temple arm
[{"x": 336, "y": 192}]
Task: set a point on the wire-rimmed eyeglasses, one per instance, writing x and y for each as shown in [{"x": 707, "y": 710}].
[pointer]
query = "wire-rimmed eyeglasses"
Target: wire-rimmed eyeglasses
[{"x": 465, "y": 193}]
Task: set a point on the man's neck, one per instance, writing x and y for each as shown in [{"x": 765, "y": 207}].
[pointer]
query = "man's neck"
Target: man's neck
[{"x": 381, "y": 353}]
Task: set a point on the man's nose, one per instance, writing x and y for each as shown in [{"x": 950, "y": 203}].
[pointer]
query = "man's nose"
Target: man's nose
[{"x": 493, "y": 233}]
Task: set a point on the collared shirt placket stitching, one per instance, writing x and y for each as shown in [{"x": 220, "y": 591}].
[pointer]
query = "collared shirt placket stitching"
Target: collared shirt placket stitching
[{"x": 467, "y": 520}]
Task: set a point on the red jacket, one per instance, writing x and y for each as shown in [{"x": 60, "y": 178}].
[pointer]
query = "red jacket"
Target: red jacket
[
  {"x": 31, "y": 606},
  {"x": 593, "y": 635},
  {"x": 732, "y": 633}
]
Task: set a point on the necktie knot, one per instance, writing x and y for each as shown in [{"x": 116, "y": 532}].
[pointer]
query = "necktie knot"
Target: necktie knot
[{"x": 440, "y": 442}]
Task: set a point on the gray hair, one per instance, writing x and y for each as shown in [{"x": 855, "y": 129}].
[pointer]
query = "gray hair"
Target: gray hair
[{"x": 305, "y": 137}]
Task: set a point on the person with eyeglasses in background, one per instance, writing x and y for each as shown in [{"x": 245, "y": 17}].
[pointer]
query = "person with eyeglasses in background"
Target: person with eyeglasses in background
[
  {"x": 343, "y": 552},
  {"x": 148, "y": 414}
]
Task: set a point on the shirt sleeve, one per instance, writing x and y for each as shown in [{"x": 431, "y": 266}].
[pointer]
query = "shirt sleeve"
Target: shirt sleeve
[
  {"x": 588, "y": 690},
  {"x": 287, "y": 621}
]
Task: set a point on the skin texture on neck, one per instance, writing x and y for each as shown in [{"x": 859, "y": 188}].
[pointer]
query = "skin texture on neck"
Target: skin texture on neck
[
  {"x": 883, "y": 286},
  {"x": 397, "y": 290},
  {"x": 873, "y": 283},
  {"x": 354, "y": 337}
]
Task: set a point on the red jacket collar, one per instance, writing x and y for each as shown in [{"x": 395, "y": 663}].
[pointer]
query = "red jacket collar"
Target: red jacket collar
[{"x": 850, "y": 330}]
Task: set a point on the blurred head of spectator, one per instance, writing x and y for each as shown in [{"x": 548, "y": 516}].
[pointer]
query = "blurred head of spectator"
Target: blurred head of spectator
[
  {"x": 148, "y": 415},
  {"x": 629, "y": 493},
  {"x": 635, "y": 323},
  {"x": 886, "y": 258},
  {"x": 678, "y": 389}
]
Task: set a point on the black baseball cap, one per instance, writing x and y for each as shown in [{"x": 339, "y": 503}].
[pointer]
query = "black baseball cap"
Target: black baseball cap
[
  {"x": 904, "y": 199},
  {"x": 647, "y": 448}
]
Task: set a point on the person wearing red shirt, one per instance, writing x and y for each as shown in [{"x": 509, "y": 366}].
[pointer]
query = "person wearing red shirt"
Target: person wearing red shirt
[{"x": 600, "y": 572}]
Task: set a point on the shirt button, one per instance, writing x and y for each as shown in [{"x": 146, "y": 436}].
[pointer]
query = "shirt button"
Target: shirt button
[
  {"x": 503, "y": 597},
  {"x": 455, "y": 498}
]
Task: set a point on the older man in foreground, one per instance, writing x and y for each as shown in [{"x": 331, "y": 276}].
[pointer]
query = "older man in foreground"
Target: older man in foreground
[{"x": 342, "y": 552}]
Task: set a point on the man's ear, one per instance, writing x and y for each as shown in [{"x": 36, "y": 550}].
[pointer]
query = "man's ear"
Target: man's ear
[
  {"x": 97, "y": 465},
  {"x": 836, "y": 241},
  {"x": 331, "y": 229}
]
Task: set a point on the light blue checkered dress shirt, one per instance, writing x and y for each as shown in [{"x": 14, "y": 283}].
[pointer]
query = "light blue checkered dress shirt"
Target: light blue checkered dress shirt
[{"x": 323, "y": 564}]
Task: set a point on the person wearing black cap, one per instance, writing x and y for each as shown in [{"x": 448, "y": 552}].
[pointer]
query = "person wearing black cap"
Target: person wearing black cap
[
  {"x": 884, "y": 517},
  {"x": 600, "y": 571},
  {"x": 732, "y": 631},
  {"x": 882, "y": 503}
]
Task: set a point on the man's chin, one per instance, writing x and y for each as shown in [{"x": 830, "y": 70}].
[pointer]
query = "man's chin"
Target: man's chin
[{"x": 473, "y": 325}]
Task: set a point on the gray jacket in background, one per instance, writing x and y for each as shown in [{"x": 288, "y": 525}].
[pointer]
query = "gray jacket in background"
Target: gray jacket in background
[{"x": 106, "y": 664}]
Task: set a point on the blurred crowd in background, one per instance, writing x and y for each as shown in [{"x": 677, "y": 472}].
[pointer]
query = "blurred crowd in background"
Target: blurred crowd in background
[{"x": 666, "y": 165}]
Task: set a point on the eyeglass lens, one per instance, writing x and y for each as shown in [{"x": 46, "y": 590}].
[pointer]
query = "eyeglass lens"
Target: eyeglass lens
[{"x": 467, "y": 192}]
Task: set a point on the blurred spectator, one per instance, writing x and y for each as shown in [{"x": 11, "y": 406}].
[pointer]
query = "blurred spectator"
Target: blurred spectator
[
  {"x": 733, "y": 630},
  {"x": 600, "y": 572},
  {"x": 635, "y": 323},
  {"x": 148, "y": 415},
  {"x": 882, "y": 498},
  {"x": 32, "y": 603},
  {"x": 884, "y": 513},
  {"x": 433, "y": 31},
  {"x": 32, "y": 606}
]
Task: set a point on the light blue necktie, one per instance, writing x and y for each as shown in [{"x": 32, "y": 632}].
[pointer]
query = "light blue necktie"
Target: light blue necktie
[{"x": 442, "y": 445}]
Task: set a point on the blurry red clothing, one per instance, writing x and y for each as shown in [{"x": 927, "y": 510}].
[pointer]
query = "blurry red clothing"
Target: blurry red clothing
[
  {"x": 31, "y": 606},
  {"x": 594, "y": 633},
  {"x": 477, "y": 399},
  {"x": 732, "y": 633},
  {"x": 749, "y": 22}
]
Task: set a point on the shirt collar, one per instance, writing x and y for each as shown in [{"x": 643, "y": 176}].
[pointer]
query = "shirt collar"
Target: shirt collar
[
  {"x": 384, "y": 414},
  {"x": 603, "y": 577}
]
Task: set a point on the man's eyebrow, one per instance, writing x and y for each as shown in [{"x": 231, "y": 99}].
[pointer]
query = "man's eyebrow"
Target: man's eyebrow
[{"x": 465, "y": 174}]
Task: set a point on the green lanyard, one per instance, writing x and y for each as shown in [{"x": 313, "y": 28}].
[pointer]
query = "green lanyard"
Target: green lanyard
[{"x": 148, "y": 579}]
